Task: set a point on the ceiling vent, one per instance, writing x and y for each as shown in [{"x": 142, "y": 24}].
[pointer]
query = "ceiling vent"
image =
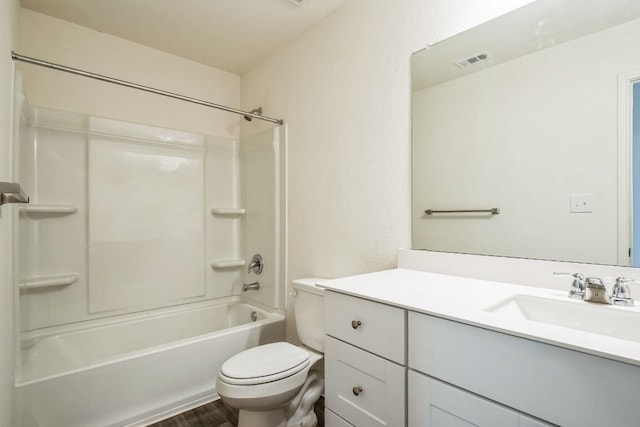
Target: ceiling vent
[{"x": 473, "y": 60}]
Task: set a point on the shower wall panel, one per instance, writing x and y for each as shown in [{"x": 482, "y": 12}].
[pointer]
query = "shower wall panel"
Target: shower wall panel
[
  {"x": 120, "y": 218},
  {"x": 261, "y": 172},
  {"x": 223, "y": 231},
  {"x": 146, "y": 223},
  {"x": 53, "y": 242}
]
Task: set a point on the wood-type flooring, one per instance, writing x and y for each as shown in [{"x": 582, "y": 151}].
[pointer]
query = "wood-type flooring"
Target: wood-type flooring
[{"x": 217, "y": 414}]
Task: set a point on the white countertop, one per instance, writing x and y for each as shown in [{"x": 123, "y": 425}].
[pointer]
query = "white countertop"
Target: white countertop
[{"x": 465, "y": 300}]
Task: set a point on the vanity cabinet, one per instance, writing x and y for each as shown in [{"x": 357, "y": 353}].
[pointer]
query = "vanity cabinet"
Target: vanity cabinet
[
  {"x": 433, "y": 403},
  {"x": 435, "y": 362},
  {"x": 389, "y": 365},
  {"x": 505, "y": 375},
  {"x": 365, "y": 362}
]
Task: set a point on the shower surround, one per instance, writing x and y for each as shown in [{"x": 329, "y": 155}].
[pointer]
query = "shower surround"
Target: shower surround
[{"x": 132, "y": 221}]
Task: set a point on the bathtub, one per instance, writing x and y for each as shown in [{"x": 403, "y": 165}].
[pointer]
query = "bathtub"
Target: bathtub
[{"x": 137, "y": 369}]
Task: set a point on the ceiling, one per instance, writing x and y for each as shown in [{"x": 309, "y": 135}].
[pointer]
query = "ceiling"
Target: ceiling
[{"x": 231, "y": 35}]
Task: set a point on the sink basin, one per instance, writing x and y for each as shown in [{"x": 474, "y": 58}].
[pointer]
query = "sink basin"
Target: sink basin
[{"x": 595, "y": 318}]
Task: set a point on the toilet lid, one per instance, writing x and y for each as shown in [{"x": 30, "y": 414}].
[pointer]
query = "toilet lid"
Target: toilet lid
[{"x": 265, "y": 363}]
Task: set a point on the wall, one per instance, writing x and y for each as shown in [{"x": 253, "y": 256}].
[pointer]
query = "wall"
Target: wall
[
  {"x": 529, "y": 120},
  {"x": 343, "y": 88},
  {"x": 68, "y": 44},
  {"x": 8, "y": 29}
]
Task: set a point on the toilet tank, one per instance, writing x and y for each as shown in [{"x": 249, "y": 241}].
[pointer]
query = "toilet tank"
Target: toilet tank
[{"x": 308, "y": 307}]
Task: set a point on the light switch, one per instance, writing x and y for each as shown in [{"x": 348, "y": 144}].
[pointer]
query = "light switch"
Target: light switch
[{"x": 581, "y": 203}]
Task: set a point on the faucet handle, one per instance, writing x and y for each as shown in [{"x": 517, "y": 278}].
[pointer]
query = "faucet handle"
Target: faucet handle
[
  {"x": 256, "y": 264},
  {"x": 627, "y": 281},
  {"x": 577, "y": 286},
  {"x": 621, "y": 294},
  {"x": 578, "y": 276}
]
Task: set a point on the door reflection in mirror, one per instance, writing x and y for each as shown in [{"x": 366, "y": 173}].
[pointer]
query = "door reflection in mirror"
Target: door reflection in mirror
[{"x": 635, "y": 213}]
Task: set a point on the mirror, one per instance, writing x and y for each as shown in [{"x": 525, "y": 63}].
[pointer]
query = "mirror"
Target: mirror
[{"x": 526, "y": 114}]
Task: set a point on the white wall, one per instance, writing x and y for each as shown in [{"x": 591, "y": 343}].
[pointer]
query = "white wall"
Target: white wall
[
  {"x": 8, "y": 28},
  {"x": 61, "y": 42},
  {"x": 343, "y": 88}
]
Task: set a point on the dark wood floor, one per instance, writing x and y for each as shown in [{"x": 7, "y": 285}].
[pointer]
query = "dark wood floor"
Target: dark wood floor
[
  {"x": 214, "y": 414},
  {"x": 217, "y": 414}
]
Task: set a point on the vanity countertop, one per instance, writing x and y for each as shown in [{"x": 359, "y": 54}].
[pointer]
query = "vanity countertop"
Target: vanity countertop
[{"x": 467, "y": 301}]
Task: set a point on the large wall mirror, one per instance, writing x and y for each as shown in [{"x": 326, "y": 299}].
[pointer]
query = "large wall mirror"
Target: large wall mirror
[{"x": 532, "y": 114}]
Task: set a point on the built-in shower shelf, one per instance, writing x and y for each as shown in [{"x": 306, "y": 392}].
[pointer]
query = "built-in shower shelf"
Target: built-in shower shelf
[
  {"x": 227, "y": 263},
  {"x": 227, "y": 211},
  {"x": 50, "y": 209},
  {"x": 52, "y": 281}
]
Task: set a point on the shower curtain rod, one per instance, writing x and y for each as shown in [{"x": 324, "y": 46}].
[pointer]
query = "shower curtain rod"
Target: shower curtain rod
[{"x": 40, "y": 62}]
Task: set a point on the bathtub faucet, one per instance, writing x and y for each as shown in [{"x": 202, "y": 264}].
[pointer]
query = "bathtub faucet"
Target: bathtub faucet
[{"x": 250, "y": 286}]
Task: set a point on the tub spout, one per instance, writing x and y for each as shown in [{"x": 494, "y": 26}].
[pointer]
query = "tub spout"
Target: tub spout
[{"x": 250, "y": 286}]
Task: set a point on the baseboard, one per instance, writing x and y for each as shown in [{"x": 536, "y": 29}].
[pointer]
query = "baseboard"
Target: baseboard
[{"x": 171, "y": 412}]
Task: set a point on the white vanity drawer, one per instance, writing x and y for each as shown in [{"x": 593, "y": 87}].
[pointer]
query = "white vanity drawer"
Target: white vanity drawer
[
  {"x": 375, "y": 327},
  {"x": 332, "y": 420},
  {"x": 364, "y": 389}
]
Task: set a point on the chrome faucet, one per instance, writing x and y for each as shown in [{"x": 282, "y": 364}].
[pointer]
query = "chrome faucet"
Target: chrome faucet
[
  {"x": 595, "y": 291},
  {"x": 256, "y": 264},
  {"x": 250, "y": 286},
  {"x": 592, "y": 289},
  {"x": 621, "y": 294},
  {"x": 577, "y": 286}
]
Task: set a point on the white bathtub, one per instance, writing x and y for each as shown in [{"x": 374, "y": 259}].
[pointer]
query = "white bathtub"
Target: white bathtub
[{"x": 137, "y": 369}]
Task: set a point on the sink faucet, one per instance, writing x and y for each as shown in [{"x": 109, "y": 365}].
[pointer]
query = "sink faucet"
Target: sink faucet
[
  {"x": 592, "y": 289},
  {"x": 595, "y": 291}
]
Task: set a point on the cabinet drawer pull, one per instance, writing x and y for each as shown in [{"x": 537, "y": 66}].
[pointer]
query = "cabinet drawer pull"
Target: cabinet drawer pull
[
  {"x": 355, "y": 324},
  {"x": 357, "y": 391}
]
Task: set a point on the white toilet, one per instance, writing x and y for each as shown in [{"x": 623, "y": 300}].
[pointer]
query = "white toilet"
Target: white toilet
[{"x": 274, "y": 385}]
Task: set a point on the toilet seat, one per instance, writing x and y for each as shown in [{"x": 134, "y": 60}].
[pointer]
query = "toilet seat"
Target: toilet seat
[{"x": 264, "y": 364}]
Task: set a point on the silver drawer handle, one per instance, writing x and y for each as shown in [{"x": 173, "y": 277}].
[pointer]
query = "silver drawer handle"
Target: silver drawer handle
[
  {"x": 355, "y": 324},
  {"x": 357, "y": 391}
]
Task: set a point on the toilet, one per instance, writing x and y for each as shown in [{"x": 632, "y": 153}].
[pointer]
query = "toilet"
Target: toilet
[{"x": 277, "y": 384}]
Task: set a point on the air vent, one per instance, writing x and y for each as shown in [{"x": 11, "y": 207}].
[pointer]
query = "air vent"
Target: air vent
[{"x": 473, "y": 60}]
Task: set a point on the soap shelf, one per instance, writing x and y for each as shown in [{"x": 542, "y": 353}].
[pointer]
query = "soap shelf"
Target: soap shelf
[
  {"x": 227, "y": 263},
  {"x": 50, "y": 209},
  {"x": 227, "y": 211},
  {"x": 51, "y": 281}
]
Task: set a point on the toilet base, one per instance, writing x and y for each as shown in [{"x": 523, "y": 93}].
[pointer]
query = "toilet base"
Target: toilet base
[
  {"x": 274, "y": 418},
  {"x": 298, "y": 413}
]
